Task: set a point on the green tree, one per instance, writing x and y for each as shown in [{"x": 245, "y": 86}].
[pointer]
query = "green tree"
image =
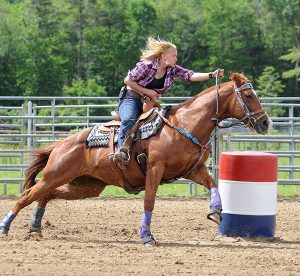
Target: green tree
[
  {"x": 270, "y": 85},
  {"x": 11, "y": 48},
  {"x": 233, "y": 36},
  {"x": 47, "y": 44},
  {"x": 45, "y": 14},
  {"x": 294, "y": 57},
  {"x": 288, "y": 14},
  {"x": 81, "y": 88},
  {"x": 44, "y": 72}
]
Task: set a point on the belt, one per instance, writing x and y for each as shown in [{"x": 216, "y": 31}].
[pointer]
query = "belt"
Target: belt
[{"x": 133, "y": 94}]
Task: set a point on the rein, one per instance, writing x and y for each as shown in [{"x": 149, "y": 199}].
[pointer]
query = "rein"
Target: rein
[
  {"x": 203, "y": 147},
  {"x": 217, "y": 98},
  {"x": 248, "y": 115}
]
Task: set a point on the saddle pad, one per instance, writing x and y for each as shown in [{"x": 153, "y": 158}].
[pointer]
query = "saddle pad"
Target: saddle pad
[
  {"x": 149, "y": 129},
  {"x": 99, "y": 138}
]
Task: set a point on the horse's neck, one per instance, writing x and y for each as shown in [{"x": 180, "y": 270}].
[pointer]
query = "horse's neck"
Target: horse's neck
[{"x": 196, "y": 116}]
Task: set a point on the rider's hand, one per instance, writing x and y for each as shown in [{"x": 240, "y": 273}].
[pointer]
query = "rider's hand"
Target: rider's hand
[
  {"x": 219, "y": 72},
  {"x": 152, "y": 94}
]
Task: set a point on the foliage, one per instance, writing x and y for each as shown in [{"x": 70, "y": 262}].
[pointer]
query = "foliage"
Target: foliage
[
  {"x": 79, "y": 88},
  {"x": 47, "y": 44},
  {"x": 270, "y": 85},
  {"x": 294, "y": 57}
]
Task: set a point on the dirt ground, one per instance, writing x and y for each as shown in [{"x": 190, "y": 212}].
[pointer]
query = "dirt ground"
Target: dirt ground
[{"x": 100, "y": 237}]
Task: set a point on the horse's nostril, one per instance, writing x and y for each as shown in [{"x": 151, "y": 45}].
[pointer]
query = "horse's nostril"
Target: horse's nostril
[{"x": 265, "y": 123}]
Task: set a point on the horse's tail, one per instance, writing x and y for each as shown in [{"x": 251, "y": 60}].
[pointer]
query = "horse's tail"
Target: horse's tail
[{"x": 41, "y": 157}]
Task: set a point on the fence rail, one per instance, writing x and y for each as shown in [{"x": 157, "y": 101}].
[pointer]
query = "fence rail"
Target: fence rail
[{"x": 37, "y": 121}]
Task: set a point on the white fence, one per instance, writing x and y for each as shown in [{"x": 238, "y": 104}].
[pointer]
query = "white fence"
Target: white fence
[{"x": 37, "y": 121}]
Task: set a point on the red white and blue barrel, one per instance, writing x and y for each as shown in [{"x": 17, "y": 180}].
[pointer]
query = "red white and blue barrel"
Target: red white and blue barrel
[{"x": 248, "y": 190}]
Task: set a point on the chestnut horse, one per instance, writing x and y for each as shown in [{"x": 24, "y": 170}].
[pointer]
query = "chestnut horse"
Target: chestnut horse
[{"x": 179, "y": 149}]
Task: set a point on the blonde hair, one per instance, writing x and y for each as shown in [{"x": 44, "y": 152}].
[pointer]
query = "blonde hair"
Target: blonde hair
[{"x": 155, "y": 47}]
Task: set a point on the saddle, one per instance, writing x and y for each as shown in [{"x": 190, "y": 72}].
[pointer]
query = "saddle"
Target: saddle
[
  {"x": 148, "y": 124},
  {"x": 106, "y": 135}
]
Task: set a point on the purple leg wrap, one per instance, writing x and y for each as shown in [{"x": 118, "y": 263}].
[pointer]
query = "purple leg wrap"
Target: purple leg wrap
[
  {"x": 145, "y": 224},
  {"x": 215, "y": 199}
]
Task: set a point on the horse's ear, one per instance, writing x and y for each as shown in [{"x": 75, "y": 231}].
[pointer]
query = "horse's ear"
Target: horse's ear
[{"x": 237, "y": 79}]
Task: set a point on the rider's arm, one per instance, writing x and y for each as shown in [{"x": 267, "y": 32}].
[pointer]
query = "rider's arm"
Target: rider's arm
[
  {"x": 142, "y": 90},
  {"x": 206, "y": 76},
  {"x": 199, "y": 77}
]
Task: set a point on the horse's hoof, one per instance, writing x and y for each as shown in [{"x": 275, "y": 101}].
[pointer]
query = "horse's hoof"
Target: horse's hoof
[
  {"x": 215, "y": 216},
  {"x": 149, "y": 240},
  {"x": 3, "y": 231},
  {"x": 35, "y": 228}
]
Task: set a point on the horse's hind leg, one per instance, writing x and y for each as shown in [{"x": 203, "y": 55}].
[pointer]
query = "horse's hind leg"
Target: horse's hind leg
[
  {"x": 37, "y": 191},
  {"x": 68, "y": 192},
  {"x": 55, "y": 174}
]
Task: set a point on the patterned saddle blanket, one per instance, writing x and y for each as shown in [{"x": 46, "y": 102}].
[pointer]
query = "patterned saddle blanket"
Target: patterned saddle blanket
[{"x": 99, "y": 136}]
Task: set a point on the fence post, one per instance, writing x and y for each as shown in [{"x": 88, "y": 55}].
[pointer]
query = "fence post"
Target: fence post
[
  {"x": 228, "y": 142},
  {"x": 195, "y": 189},
  {"x": 291, "y": 144},
  {"x": 53, "y": 118},
  {"x": 5, "y": 187},
  {"x": 34, "y": 126},
  {"x": 88, "y": 116},
  {"x": 29, "y": 130},
  {"x": 22, "y": 161},
  {"x": 191, "y": 188}
]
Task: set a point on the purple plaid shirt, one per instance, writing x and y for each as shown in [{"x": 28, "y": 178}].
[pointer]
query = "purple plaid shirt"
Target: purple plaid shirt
[{"x": 144, "y": 72}]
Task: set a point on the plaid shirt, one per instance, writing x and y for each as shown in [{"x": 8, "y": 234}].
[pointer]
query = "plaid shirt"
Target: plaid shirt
[{"x": 145, "y": 71}]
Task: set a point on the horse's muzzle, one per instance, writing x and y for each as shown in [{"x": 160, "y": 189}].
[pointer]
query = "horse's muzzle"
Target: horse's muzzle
[{"x": 262, "y": 126}]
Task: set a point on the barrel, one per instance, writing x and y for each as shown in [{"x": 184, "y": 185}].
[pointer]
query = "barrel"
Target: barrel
[{"x": 248, "y": 190}]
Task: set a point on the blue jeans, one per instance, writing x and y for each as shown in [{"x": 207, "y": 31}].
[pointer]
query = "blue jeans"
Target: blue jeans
[{"x": 129, "y": 110}]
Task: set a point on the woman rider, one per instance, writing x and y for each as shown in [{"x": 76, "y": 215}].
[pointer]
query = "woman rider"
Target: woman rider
[{"x": 151, "y": 77}]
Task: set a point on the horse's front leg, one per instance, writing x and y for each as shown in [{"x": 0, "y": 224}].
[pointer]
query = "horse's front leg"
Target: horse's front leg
[
  {"x": 153, "y": 178},
  {"x": 201, "y": 176}
]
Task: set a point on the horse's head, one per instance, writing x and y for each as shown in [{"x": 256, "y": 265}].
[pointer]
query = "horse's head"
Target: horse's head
[{"x": 246, "y": 105}]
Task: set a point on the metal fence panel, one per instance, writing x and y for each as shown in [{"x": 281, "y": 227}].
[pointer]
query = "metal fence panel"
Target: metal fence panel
[{"x": 39, "y": 121}]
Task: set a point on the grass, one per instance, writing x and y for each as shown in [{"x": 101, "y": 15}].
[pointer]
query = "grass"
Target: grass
[
  {"x": 167, "y": 190},
  {"x": 288, "y": 190},
  {"x": 171, "y": 189}
]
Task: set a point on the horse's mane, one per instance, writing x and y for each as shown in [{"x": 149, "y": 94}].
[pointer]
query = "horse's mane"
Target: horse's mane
[{"x": 238, "y": 78}]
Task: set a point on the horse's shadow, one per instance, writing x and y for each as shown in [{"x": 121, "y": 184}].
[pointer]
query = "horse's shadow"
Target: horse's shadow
[{"x": 277, "y": 243}]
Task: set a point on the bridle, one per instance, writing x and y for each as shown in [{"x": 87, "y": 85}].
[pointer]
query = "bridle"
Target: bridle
[{"x": 249, "y": 115}]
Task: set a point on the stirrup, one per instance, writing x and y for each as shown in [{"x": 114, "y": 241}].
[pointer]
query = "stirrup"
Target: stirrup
[
  {"x": 215, "y": 215},
  {"x": 115, "y": 115},
  {"x": 121, "y": 159}
]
